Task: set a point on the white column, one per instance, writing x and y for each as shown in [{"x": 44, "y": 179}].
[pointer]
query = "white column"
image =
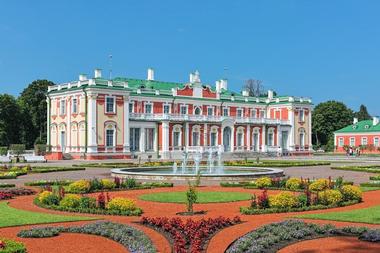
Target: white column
[
  {"x": 279, "y": 134},
  {"x": 68, "y": 124},
  {"x": 233, "y": 139},
  {"x": 126, "y": 145},
  {"x": 48, "y": 101},
  {"x": 205, "y": 135},
  {"x": 92, "y": 146},
  {"x": 187, "y": 135},
  {"x": 310, "y": 134},
  {"x": 165, "y": 138},
  {"x": 248, "y": 137},
  {"x": 155, "y": 138},
  {"x": 142, "y": 139},
  {"x": 264, "y": 139},
  {"x": 292, "y": 130}
]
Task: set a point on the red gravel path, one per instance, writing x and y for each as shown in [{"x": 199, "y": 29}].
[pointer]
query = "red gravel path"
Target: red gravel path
[
  {"x": 332, "y": 245},
  {"x": 153, "y": 209}
]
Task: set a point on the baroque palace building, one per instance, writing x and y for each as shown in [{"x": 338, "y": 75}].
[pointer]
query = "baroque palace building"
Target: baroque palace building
[{"x": 98, "y": 118}]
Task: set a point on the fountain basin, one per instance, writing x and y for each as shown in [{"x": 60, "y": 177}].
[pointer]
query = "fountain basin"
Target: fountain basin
[{"x": 230, "y": 173}]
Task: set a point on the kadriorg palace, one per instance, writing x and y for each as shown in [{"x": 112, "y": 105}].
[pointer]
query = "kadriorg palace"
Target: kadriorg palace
[{"x": 98, "y": 118}]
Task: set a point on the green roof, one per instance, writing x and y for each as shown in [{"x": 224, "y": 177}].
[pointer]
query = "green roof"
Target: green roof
[{"x": 360, "y": 127}]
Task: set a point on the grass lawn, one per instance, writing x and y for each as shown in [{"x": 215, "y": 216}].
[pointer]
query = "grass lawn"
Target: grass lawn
[
  {"x": 203, "y": 197},
  {"x": 366, "y": 215},
  {"x": 369, "y": 188},
  {"x": 10, "y": 216}
]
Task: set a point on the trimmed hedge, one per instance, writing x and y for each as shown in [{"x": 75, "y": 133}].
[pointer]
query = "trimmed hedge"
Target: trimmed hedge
[
  {"x": 136, "y": 212},
  {"x": 49, "y": 182},
  {"x": 131, "y": 238},
  {"x": 7, "y": 185},
  {"x": 364, "y": 168},
  {"x": 54, "y": 169},
  {"x": 252, "y": 211},
  {"x": 275, "y": 236},
  {"x": 370, "y": 184}
]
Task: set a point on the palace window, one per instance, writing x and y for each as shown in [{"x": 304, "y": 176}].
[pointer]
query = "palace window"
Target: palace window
[
  {"x": 197, "y": 111},
  {"x": 210, "y": 111},
  {"x": 110, "y": 136},
  {"x": 364, "y": 141},
  {"x": 239, "y": 113},
  {"x": 301, "y": 115},
  {"x": 166, "y": 109},
  {"x": 240, "y": 138},
  {"x": 271, "y": 137},
  {"x": 149, "y": 139},
  {"x": 302, "y": 137},
  {"x": 262, "y": 114},
  {"x": 110, "y": 104},
  {"x": 341, "y": 142},
  {"x": 131, "y": 107},
  {"x": 176, "y": 137},
  {"x": 253, "y": 113},
  {"x": 62, "y": 107},
  {"x": 225, "y": 111},
  {"x": 75, "y": 105},
  {"x": 134, "y": 139},
  {"x": 352, "y": 141},
  {"x": 148, "y": 108},
  {"x": 196, "y": 136},
  {"x": 376, "y": 142},
  {"x": 183, "y": 109}
]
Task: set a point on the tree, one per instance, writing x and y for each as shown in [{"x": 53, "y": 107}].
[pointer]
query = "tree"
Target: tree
[
  {"x": 362, "y": 114},
  {"x": 254, "y": 87},
  {"x": 33, "y": 106},
  {"x": 10, "y": 124},
  {"x": 327, "y": 118}
]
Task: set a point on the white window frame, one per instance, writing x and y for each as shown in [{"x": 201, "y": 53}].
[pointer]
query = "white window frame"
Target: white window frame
[
  {"x": 352, "y": 141},
  {"x": 253, "y": 113},
  {"x": 74, "y": 106},
  {"x": 214, "y": 130},
  {"x": 262, "y": 114},
  {"x": 208, "y": 110},
  {"x": 376, "y": 139},
  {"x": 200, "y": 110},
  {"x": 113, "y": 106},
  {"x": 163, "y": 108},
  {"x": 186, "y": 110},
  {"x": 131, "y": 106},
  {"x": 301, "y": 115},
  {"x": 241, "y": 112},
  {"x": 228, "y": 111},
  {"x": 177, "y": 129},
  {"x": 364, "y": 141},
  {"x": 147, "y": 140},
  {"x": 151, "y": 107},
  {"x": 270, "y": 133},
  {"x": 340, "y": 142},
  {"x": 113, "y": 128},
  {"x": 62, "y": 107},
  {"x": 196, "y": 129}
]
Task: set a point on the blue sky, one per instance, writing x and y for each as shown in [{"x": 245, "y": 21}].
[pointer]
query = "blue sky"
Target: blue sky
[{"x": 320, "y": 49}]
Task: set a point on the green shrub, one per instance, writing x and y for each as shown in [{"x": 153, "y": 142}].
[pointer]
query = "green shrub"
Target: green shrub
[
  {"x": 263, "y": 182},
  {"x": 11, "y": 246},
  {"x": 3, "y": 151},
  {"x": 70, "y": 201},
  {"x": 293, "y": 184},
  {"x": 87, "y": 202},
  {"x": 52, "y": 199},
  {"x": 129, "y": 183},
  {"x": 330, "y": 197},
  {"x": 107, "y": 184},
  {"x": 80, "y": 186},
  {"x": 95, "y": 185},
  {"x": 351, "y": 192},
  {"x": 319, "y": 185},
  {"x": 283, "y": 200}
]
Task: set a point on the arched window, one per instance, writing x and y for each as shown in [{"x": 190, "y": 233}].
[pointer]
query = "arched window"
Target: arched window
[
  {"x": 256, "y": 139},
  {"x": 110, "y": 134},
  {"x": 240, "y": 138},
  {"x": 214, "y": 136},
  {"x": 177, "y": 137},
  {"x": 197, "y": 110}
]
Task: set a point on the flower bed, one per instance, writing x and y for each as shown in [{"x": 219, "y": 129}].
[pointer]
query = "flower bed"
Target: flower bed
[
  {"x": 2, "y": 185},
  {"x": 272, "y": 237},
  {"x": 320, "y": 194},
  {"x": 103, "y": 204},
  {"x": 190, "y": 236},
  {"x": 131, "y": 238},
  {"x": 8, "y": 193},
  {"x": 11, "y": 246},
  {"x": 49, "y": 182},
  {"x": 363, "y": 168},
  {"x": 274, "y": 163},
  {"x": 15, "y": 171}
]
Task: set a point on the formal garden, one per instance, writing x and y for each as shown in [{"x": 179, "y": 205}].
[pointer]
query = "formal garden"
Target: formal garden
[{"x": 267, "y": 214}]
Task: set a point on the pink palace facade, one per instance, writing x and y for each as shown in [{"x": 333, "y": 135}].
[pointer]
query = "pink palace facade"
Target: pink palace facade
[{"x": 98, "y": 118}]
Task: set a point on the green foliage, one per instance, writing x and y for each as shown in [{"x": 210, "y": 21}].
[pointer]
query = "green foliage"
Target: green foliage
[
  {"x": 40, "y": 149},
  {"x": 328, "y": 117},
  {"x": 3, "y": 151},
  {"x": 362, "y": 114},
  {"x": 9, "y": 120},
  {"x": 70, "y": 201},
  {"x": 191, "y": 197},
  {"x": 17, "y": 149},
  {"x": 129, "y": 183},
  {"x": 87, "y": 202},
  {"x": 11, "y": 246}
]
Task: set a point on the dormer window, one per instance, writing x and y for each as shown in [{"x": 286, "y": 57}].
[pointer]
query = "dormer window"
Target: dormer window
[{"x": 366, "y": 126}]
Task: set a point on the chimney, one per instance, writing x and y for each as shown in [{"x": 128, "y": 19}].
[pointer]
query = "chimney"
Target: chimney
[
  {"x": 245, "y": 93},
  {"x": 150, "y": 74},
  {"x": 98, "y": 73},
  {"x": 191, "y": 79},
  {"x": 355, "y": 121},
  {"x": 270, "y": 94},
  {"x": 223, "y": 84},
  {"x": 217, "y": 86},
  {"x": 82, "y": 77},
  {"x": 375, "y": 121}
]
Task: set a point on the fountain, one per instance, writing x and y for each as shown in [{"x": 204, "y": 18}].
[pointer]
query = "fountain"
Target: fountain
[{"x": 216, "y": 172}]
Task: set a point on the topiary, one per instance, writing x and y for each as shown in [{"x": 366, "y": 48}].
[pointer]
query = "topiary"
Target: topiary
[
  {"x": 330, "y": 197},
  {"x": 351, "y": 192},
  {"x": 70, "y": 201},
  {"x": 121, "y": 204},
  {"x": 263, "y": 182},
  {"x": 80, "y": 186},
  {"x": 293, "y": 184},
  {"x": 107, "y": 184},
  {"x": 283, "y": 200},
  {"x": 319, "y": 185}
]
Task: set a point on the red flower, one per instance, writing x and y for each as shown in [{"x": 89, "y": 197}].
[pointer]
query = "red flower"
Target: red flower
[{"x": 2, "y": 245}]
